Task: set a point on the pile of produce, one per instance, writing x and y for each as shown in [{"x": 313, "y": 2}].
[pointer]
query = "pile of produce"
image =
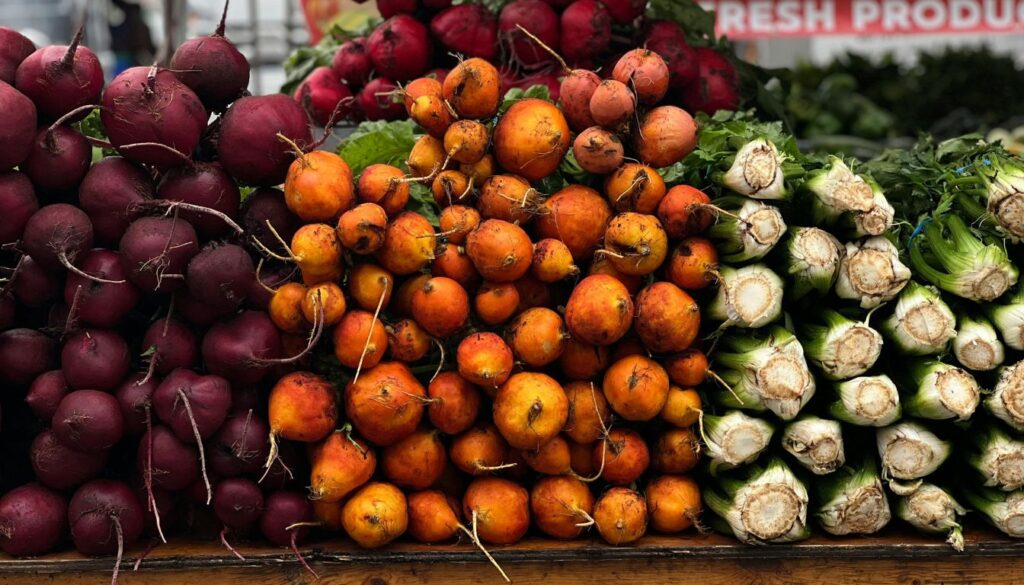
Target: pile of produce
[
  {"x": 366, "y": 69},
  {"x": 489, "y": 317}
]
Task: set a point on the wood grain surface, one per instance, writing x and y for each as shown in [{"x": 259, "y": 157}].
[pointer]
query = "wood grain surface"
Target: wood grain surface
[{"x": 899, "y": 558}]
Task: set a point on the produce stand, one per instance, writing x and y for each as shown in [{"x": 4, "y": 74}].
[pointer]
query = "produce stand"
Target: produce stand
[{"x": 894, "y": 557}]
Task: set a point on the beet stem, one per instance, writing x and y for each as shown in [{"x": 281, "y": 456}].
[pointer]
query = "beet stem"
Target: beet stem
[
  {"x": 71, "y": 114},
  {"x": 150, "y": 369},
  {"x": 69, "y": 323},
  {"x": 604, "y": 443},
  {"x": 199, "y": 443},
  {"x": 220, "y": 33},
  {"x": 263, "y": 285},
  {"x": 271, "y": 456},
  {"x": 544, "y": 46},
  {"x": 143, "y": 556},
  {"x": 440, "y": 346},
  {"x": 295, "y": 548},
  {"x": 476, "y": 540},
  {"x": 63, "y": 257},
  {"x": 314, "y": 338},
  {"x": 332, "y": 121},
  {"x": 68, "y": 60},
  {"x": 369, "y": 336},
  {"x": 298, "y": 151},
  {"x": 99, "y": 143},
  {"x": 148, "y": 478},
  {"x": 120, "y": 547},
  {"x": 227, "y": 545},
  {"x": 171, "y": 205},
  {"x": 170, "y": 149},
  {"x": 14, "y": 274}
]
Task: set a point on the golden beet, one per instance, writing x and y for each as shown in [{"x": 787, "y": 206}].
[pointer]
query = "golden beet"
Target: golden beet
[
  {"x": 576, "y": 215},
  {"x": 636, "y": 387},
  {"x": 531, "y": 138},
  {"x": 530, "y": 409},
  {"x": 375, "y": 515},
  {"x": 599, "y": 311}
]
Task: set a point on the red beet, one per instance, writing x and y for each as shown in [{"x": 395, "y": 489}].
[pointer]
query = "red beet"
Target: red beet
[
  {"x": 389, "y": 8},
  {"x": 399, "y": 48},
  {"x": 59, "y": 79},
  {"x": 111, "y": 194},
  {"x": 468, "y": 29},
  {"x": 105, "y": 518},
  {"x": 586, "y": 32},
  {"x": 249, "y": 148},
  {"x": 34, "y": 286},
  {"x": 32, "y": 520},
  {"x": 135, "y": 395},
  {"x": 17, "y": 124},
  {"x": 57, "y": 234},
  {"x": 156, "y": 251},
  {"x": 625, "y": 11},
  {"x": 46, "y": 392},
  {"x": 220, "y": 275},
  {"x": 197, "y": 312},
  {"x": 170, "y": 345},
  {"x": 321, "y": 93},
  {"x": 101, "y": 304},
  {"x": 212, "y": 67},
  {"x": 24, "y": 354},
  {"x": 88, "y": 420},
  {"x": 61, "y": 467},
  {"x": 175, "y": 465},
  {"x": 186, "y": 398},
  {"x": 17, "y": 203},
  {"x": 240, "y": 447},
  {"x": 267, "y": 204},
  {"x": 238, "y": 503},
  {"x": 8, "y": 307},
  {"x": 718, "y": 85},
  {"x": 58, "y": 160},
  {"x": 146, "y": 105},
  {"x": 14, "y": 47},
  {"x": 205, "y": 185},
  {"x": 377, "y": 100},
  {"x": 352, "y": 63},
  {"x": 667, "y": 39},
  {"x": 94, "y": 358},
  {"x": 283, "y": 509},
  {"x": 236, "y": 349},
  {"x": 535, "y": 16},
  {"x": 436, "y": 4}
]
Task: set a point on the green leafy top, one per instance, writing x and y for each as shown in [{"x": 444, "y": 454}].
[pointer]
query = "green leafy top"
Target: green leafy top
[
  {"x": 515, "y": 94},
  {"x": 697, "y": 23},
  {"x": 378, "y": 142},
  {"x": 724, "y": 133},
  {"x": 304, "y": 60}
]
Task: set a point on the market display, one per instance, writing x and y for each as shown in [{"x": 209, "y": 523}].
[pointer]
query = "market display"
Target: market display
[{"x": 606, "y": 302}]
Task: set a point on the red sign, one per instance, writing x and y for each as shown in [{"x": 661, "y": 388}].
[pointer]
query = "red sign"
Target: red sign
[{"x": 749, "y": 19}]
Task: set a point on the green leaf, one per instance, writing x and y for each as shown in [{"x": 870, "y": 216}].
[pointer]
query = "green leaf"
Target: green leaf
[
  {"x": 570, "y": 169},
  {"x": 421, "y": 200},
  {"x": 92, "y": 127},
  {"x": 378, "y": 142},
  {"x": 697, "y": 23},
  {"x": 672, "y": 174},
  {"x": 539, "y": 91}
]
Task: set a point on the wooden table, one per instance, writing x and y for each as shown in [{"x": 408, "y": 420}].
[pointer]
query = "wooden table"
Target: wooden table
[{"x": 897, "y": 557}]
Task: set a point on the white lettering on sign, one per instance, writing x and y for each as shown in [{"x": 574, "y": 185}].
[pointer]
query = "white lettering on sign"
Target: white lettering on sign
[
  {"x": 929, "y": 14},
  {"x": 732, "y": 16},
  {"x": 865, "y": 13},
  {"x": 964, "y": 14},
  {"x": 789, "y": 16},
  {"x": 895, "y": 15},
  {"x": 820, "y": 15},
  {"x": 999, "y": 13}
]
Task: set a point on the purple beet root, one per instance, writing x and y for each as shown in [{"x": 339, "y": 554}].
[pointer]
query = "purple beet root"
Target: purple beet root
[
  {"x": 34, "y": 286},
  {"x": 95, "y": 358},
  {"x": 61, "y": 467},
  {"x": 8, "y": 307},
  {"x": 267, "y": 204},
  {"x": 213, "y": 67},
  {"x": 281, "y": 510},
  {"x": 236, "y": 349},
  {"x": 14, "y": 48},
  {"x": 156, "y": 251},
  {"x": 240, "y": 446},
  {"x": 111, "y": 194},
  {"x": 135, "y": 396},
  {"x": 105, "y": 518},
  {"x": 33, "y": 519},
  {"x": 220, "y": 275},
  {"x": 192, "y": 404},
  {"x": 61, "y": 78},
  {"x": 24, "y": 354},
  {"x": 58, "y": 160},
  {"x": 18, "y": 203},
  {"x": 101, "y": 304},
  {"x": 46, "y": 392},
  {"x": 198, "y": 313},
  {"x": 17, "y": 124},
  {"x": 205, "y": 185},
  {"x": 149, "y": 106},
  {"x": 57, "y": 234},
  {"x": 249, "y": 147},
  {"x": 269, "y": 279},
  {"x": 352, "y": 63},
  {"x": 238, "y": 503},
  {"x": 172, "y": 345},
  {"x": 174, "y": 464},
  {"x": 88, "y": 420}
]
